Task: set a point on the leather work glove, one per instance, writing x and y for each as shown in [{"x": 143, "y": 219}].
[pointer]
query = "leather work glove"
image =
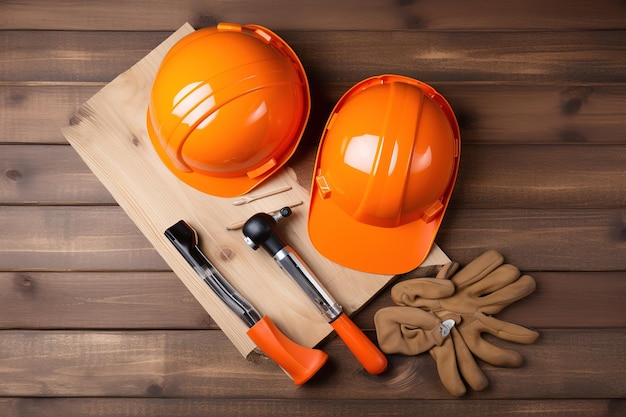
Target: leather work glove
[
  {"x": 484, "y": 287},
  {"x": 410, "y": 331}
]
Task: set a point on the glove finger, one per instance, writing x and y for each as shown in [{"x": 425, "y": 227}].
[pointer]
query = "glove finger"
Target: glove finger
[
  {"x": 495, "y": 301},
  {"x": 447, "y": 367},
  {"x": 494, "y": 355},
  {"x": 421, "y": 292},
  {"x": 406, "y": 330},
  {"x": 448, "y": 270},
  {"x": 491, "y": 354},
  {"x": 477, "y": 269},
  {"x": 467, "y": 365},
  {"x": 507, "y": 331},
  {"x": 497, "y": 279}
]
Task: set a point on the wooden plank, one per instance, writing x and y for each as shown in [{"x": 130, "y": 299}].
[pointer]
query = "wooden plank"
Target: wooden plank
[
  {"x": 491, "y": 176},
  {"x": 539, "y": 240},
  {"x": 553, "y": 113},
  {"x": 48, "y": 174},
  {"x": 343, "y": 56},
  {"x": 144, "y": 300},
  {"x": 105, "y": 239},
  {"x": 435, "y": 57},
  {"x": 541, "y": 177},
  {"x": 73, "y": 56},
  {"x": 36, "y": 112},
  {"x": 488, "y": 113},
  {"x": 489, "y": 15},
  {"x": 94, "y": 300},
  {"x": 139, "y": 407},
  {"x": 562, "y": 364},
  {"x": 79, "y": 238}
]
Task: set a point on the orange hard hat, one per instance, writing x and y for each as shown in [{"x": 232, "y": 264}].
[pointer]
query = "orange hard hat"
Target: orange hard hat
[
  {"x": 385, "y": 169},
  {"x": 228, "y": 107}
]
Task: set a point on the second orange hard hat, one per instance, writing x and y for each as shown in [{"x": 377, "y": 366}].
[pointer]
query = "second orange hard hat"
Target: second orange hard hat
[
  {"x": 385, "y": 169},
  {"x": 228, "y": 107}
]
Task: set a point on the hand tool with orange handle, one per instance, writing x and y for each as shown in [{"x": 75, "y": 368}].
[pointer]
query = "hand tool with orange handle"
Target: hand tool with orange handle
[
  {"x": 260, "y": 230},
  {"x": 299, "y": 362}
]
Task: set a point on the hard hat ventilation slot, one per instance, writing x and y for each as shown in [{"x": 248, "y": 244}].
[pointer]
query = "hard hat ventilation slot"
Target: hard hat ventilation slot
[
  {"x": 433, "y": 211},
  {"x": 262, "y": 169},
  {"x": 322, "y": 186}
]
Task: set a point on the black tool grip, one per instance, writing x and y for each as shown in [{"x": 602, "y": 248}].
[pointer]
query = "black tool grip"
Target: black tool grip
[{"x": 260, "y": 229}]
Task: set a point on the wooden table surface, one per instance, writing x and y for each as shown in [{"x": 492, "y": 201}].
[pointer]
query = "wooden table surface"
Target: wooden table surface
[{"x": 93, "y": 323}]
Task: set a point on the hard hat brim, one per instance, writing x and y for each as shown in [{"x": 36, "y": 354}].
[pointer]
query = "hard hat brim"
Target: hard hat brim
[{"x": 345, "y": 241}]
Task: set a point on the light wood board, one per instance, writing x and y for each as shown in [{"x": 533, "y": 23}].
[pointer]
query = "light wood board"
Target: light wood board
[{"x": 109, "y": 133}]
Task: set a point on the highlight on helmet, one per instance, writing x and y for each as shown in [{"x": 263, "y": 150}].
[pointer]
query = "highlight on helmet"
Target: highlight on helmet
[
  {"x": 385, "y": 169},
  {"x": 228, "y": 107}
]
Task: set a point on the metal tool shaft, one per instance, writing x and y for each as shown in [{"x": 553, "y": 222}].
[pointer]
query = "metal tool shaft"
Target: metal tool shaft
[
  {"x": 291, "y": 263},
  {"x": 185, "y": 240}
]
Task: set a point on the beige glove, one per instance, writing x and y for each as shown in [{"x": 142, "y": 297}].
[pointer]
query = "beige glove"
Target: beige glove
[
  {"x": 410, "y": 331},
  {"x": 484, "y": 287}
]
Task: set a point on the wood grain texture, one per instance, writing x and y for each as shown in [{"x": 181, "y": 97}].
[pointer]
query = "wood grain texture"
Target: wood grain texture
[
  {"x": 60, "y": 178},
  {"x": 344, "y": 56},
  {"x": 104, "y": 238},
  {"x": 566, "y": 240},
  {"x": 192, "y": 407},
  {"x": 204, "y": 364},
  {"x": 36, "y": 112},
  {"x": 456, "y": 15},
  {"x": 98, "y": 300},
  {"x": 158, "y": 300}
]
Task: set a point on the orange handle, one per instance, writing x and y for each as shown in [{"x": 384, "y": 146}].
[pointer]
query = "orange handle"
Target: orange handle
[
  {"x": 300, "y": 362},
  {"x": 372, "y": 359}
]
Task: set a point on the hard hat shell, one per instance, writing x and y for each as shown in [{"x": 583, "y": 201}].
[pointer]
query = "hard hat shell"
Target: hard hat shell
[
  {"x": 228, "y": 107},
  {"x": 385, "y": 169}
]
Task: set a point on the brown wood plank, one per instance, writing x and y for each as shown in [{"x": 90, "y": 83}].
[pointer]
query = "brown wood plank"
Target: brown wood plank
[
  {"x": 346, "y": 56},
  {"x": 491, "y": 176},
  {"x": 539, "y": 240},
  {"x": 488, "y": 112},
  {"x": 541, "y": 177},
  {"x": 79, "y": 238},
  {"x": 554, "y": 113},
  {"x": 104, "y": 238},
  {"x": 140, "y": 407},
  {"x": 35, "y": 113},
  {"x": 143, "y": 300},
  {"x": 83, "y": 300},
  {"x": 562, "y": 364},
  {"x": 315, "y": 14},
  {"x": 72, "y": 56},
  {"x": 48, "y": 174}
]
